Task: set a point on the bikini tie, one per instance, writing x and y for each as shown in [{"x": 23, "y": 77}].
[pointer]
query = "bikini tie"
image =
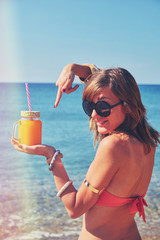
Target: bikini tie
[{"x": 138, "y": 206}]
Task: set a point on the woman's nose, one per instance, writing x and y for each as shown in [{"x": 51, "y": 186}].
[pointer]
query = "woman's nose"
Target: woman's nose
[{"x": 94, "y": 113}]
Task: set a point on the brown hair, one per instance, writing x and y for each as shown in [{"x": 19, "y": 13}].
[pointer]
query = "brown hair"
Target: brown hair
[{"x": 124, "y": 86}]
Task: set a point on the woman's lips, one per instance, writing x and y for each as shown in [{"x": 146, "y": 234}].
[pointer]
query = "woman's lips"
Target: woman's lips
[{"x": 101, "y": 123}]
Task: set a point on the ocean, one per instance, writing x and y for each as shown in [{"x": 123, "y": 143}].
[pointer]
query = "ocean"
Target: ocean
[{"x": 29, "y": 208}]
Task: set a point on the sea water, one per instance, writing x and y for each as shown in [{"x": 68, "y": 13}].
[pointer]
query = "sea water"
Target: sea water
[{"x": 29, "y": 208}]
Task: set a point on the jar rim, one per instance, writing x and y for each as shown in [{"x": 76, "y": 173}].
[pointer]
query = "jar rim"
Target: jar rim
[{"x": 30, "y": 114}]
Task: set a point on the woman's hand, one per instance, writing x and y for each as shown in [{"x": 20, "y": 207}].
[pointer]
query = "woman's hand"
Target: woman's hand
[
  {"x": 43, "y": 150},
  {"x": 64, "y": 82}
]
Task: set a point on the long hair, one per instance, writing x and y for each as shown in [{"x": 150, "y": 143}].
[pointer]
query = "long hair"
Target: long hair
[{"x": 124, "y": 86}]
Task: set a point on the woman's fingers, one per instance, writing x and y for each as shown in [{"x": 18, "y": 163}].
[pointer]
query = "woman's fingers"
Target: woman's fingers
[
  {"x": 64, "y": 83},
  {"x": 24, "y": 148},
  {"x": 70, "y": 90},
  {"x": 43, "y": 150},
  {"x": 16, "y": 145},
  {"x": 58, "y": 98},
  {"x": 66, "y": 89}
]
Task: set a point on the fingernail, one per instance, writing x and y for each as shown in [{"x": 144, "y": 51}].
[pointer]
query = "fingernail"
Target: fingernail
[{"x": 54, "y": 106}]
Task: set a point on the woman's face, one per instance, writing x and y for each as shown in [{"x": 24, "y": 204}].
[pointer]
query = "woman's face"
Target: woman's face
[{"x": 108, "y": 124}]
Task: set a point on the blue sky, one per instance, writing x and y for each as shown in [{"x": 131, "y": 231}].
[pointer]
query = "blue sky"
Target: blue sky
[{"x": 39, "y": 37}]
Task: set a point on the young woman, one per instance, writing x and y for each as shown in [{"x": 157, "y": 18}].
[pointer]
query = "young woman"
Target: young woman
[{"x": 119, "y": 176}]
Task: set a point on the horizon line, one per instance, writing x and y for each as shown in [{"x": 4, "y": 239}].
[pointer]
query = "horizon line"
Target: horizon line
[{"x": 73, "y": 83}]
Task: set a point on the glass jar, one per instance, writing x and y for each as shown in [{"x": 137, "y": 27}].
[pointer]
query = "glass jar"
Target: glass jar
[{"x": 29, "y": 128}]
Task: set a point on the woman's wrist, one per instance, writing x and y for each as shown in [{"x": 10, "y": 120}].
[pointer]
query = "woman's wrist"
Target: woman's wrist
[
  {"x": 49, "y": 152},
  {"x": 52, "y": 160},
  {"x": 81, "y": 71},
  {"x": 57, "y": 155}
]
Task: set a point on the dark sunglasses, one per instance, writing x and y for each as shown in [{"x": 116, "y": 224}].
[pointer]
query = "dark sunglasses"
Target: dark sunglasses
[{"x": 102, "y": 108}]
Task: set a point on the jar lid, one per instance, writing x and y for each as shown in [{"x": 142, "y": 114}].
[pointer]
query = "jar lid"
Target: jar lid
[{"x": 28, "y": 114}]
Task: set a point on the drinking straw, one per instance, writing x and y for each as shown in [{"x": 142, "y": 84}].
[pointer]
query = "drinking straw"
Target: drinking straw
[{"x": 28, "y": 97}]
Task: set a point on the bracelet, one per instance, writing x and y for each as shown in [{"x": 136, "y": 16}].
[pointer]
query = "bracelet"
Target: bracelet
[
  {"x": 51, "y": 165},
  {"x": 90, "y": 187},
  {"x": 65, "y": 186},
  {"x": 93, "y": 69}
]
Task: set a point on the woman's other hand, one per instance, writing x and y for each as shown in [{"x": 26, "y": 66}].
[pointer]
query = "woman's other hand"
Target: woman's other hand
[
  {"x": 43, "y": 150},
  {"x": 64, "y": 82}
]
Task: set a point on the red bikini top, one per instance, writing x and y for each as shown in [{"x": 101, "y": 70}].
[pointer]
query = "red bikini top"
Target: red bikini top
[{"x": 109, "y": 200}]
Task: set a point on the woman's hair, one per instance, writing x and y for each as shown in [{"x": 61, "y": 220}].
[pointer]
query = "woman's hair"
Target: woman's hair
[{"x": 124, "y": 86}]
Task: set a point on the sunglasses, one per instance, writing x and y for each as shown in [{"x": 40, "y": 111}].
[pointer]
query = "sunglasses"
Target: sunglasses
[{"x": 102, "y": 108}]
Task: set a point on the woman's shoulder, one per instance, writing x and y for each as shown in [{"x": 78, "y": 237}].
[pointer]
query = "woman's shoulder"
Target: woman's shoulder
[
  {"x": 118, "y": 145},
  {"x": 115, "y": 140}
]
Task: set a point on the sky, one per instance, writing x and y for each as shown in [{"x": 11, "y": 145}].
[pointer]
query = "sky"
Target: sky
[{"x": 39, "y": 37}]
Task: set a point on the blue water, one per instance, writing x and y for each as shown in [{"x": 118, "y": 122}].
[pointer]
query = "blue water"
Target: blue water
[{"x": 28, "y": 205}]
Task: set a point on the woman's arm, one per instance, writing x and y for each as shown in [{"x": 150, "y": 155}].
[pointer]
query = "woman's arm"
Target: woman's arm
[{"x": 99, "y": 175}]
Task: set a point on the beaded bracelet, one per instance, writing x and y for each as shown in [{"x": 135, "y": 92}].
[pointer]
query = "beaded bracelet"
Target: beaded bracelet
[
  {"x": 51, "y": 165},
  {"x": 65, "y": 186}
]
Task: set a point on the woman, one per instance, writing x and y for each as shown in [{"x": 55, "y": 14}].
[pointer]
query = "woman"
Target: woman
[{"x": 119, "y": 176}]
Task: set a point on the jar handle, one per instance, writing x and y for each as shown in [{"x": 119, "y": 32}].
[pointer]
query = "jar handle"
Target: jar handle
[{"x": 14, "y": 130}]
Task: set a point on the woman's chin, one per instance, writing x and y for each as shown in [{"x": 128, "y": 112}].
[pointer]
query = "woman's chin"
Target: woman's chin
[{"x": 103, "y": 130}]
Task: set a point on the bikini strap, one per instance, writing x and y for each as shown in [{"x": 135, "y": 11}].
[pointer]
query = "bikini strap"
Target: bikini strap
[{"x": 138, "y": 206}]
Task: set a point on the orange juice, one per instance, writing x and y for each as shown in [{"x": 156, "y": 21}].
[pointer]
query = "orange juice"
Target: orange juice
[{"x": 29, "y": 128}]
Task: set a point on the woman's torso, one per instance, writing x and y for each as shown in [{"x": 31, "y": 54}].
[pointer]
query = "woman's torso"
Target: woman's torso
[{"x": 131, "y": 180}]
